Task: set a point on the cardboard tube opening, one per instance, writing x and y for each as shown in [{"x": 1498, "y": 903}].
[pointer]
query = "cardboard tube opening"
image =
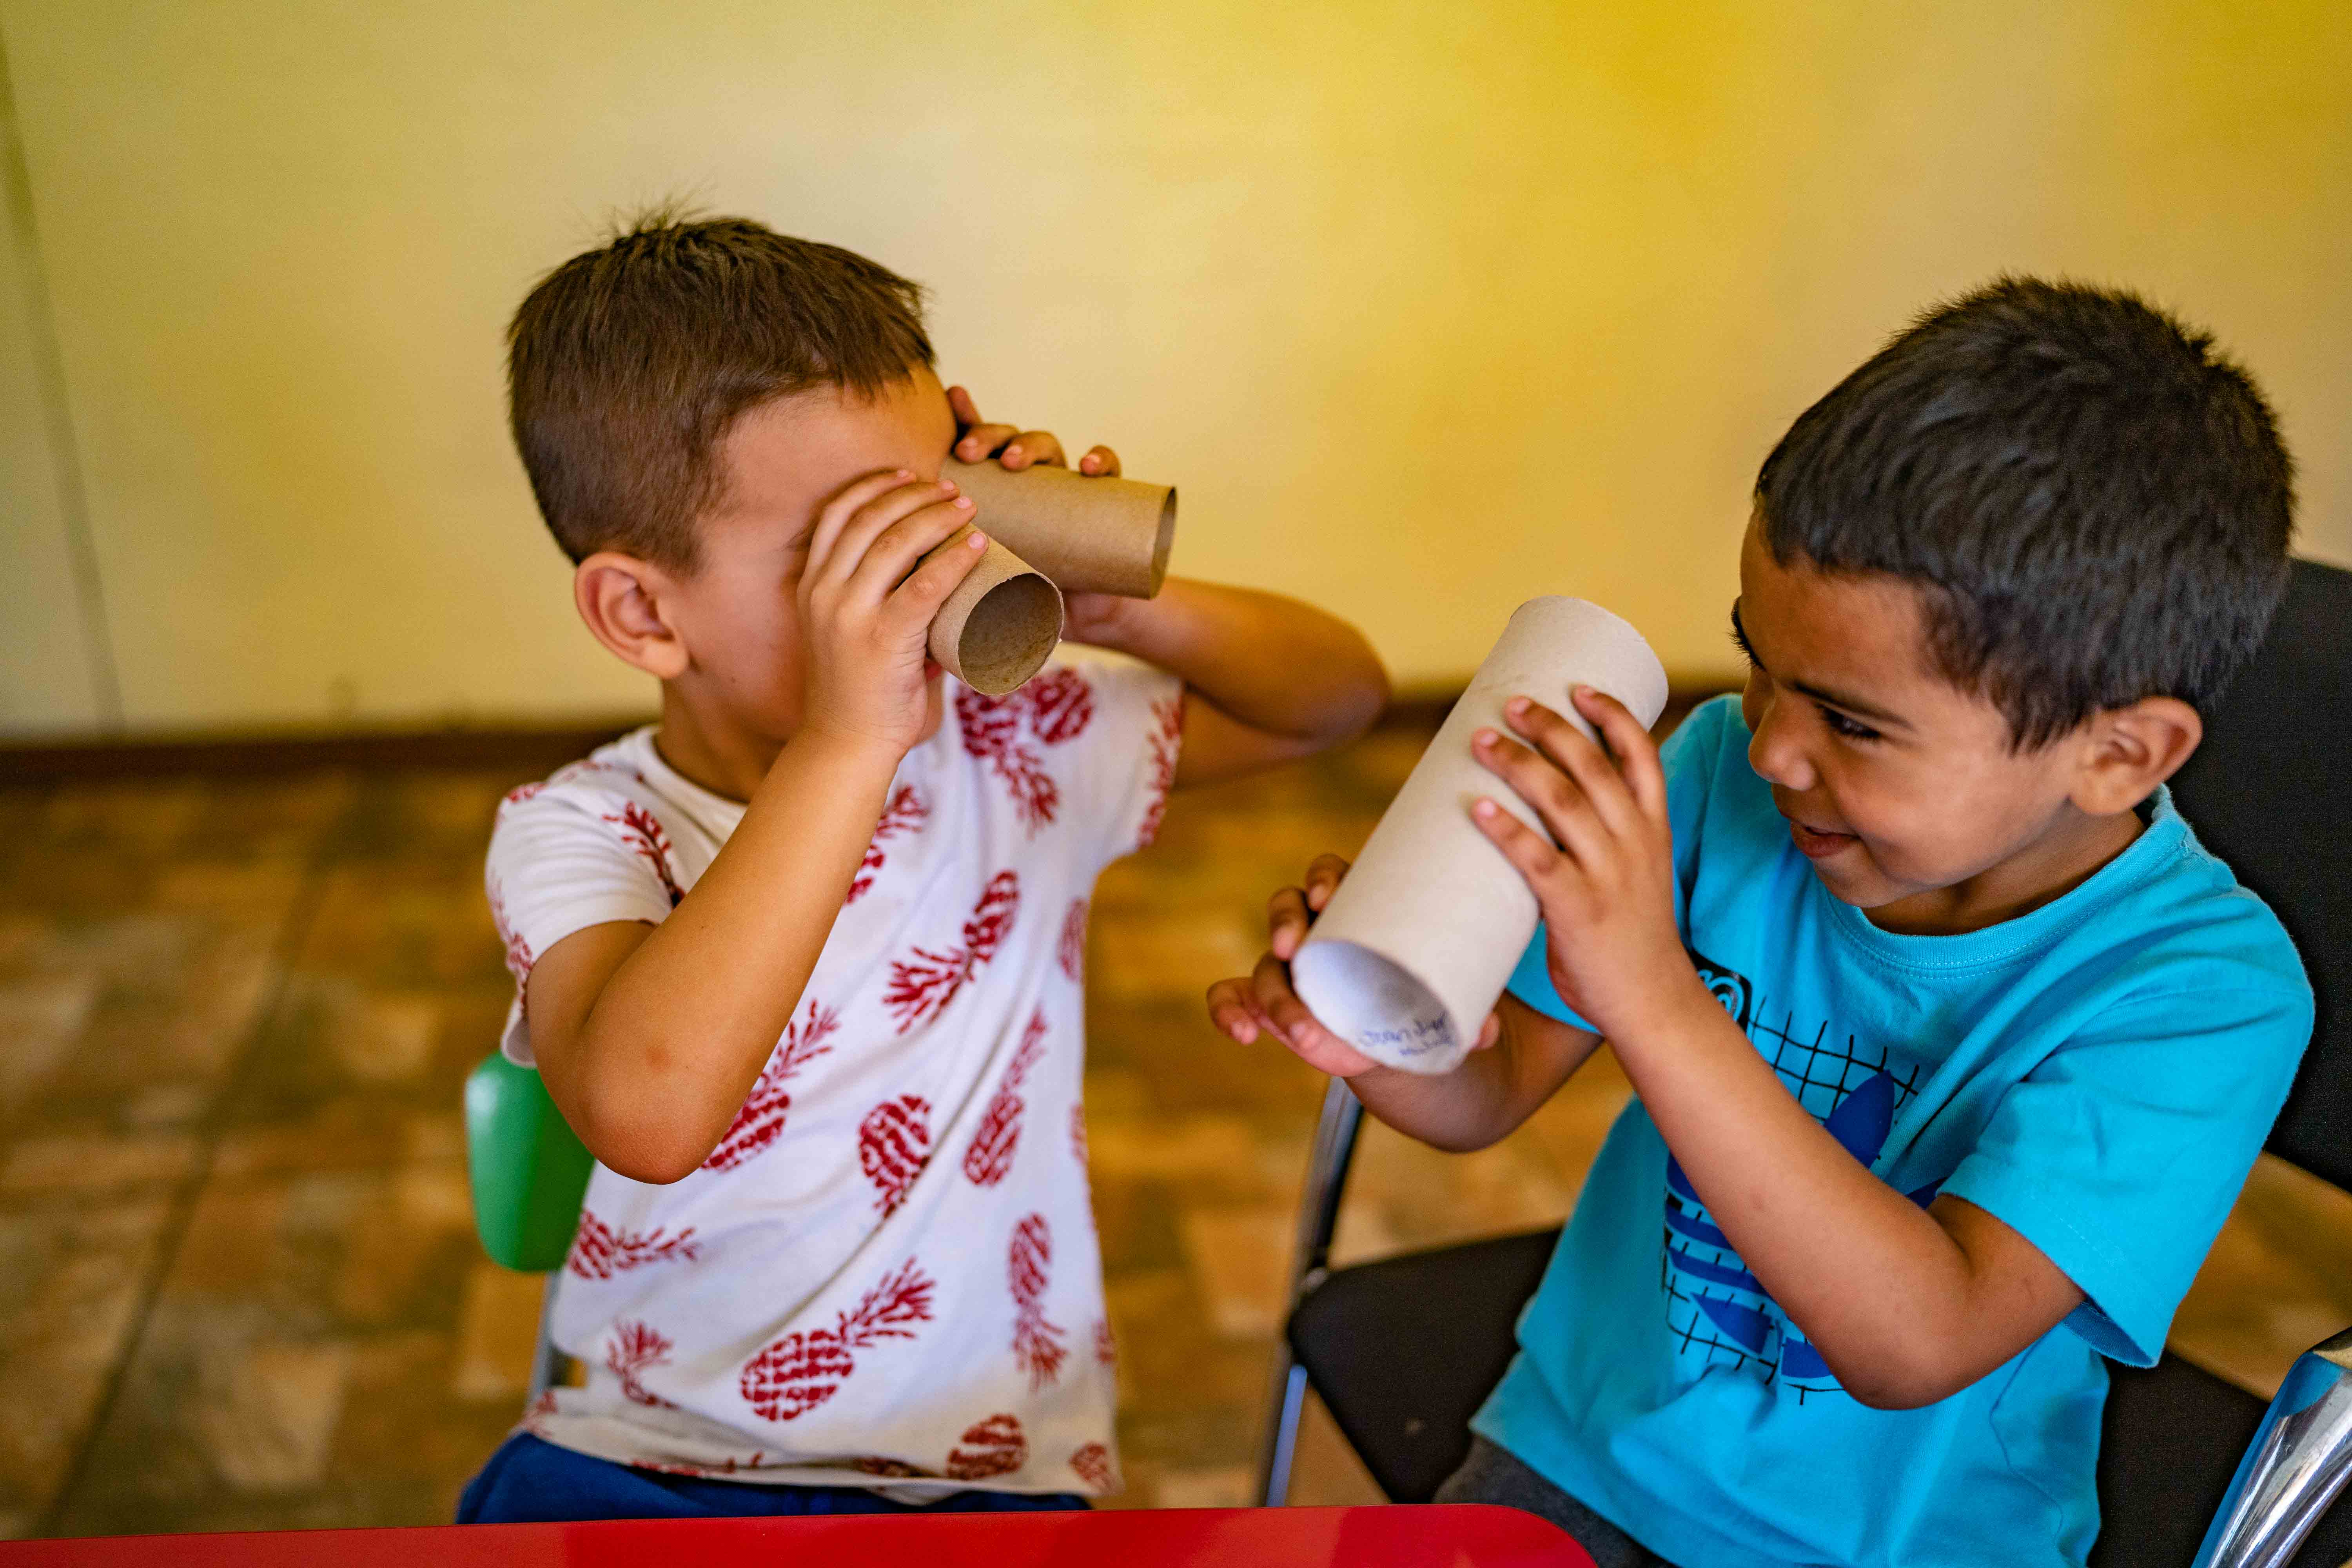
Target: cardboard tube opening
[
  {"x": 1375, "y": 1003},
  {"x": 1000, "y": 626},
  {"x": 1009, "y": 634},
  {"x": 1165, "y": 543}
]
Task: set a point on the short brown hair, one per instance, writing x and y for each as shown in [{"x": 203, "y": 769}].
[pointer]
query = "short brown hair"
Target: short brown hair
[{"x": 626, "y": 365}]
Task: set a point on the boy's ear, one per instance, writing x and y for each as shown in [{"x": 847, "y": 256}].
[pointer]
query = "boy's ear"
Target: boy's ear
[
  {"x": 2132, "y": 750},
  {"x": 623, "y": 601}
]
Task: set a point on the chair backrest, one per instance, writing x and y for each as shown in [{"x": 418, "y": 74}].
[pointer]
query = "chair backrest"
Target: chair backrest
[
  {"x": 2261, "y": 794},
  {"x": 526, "y": 1166}
]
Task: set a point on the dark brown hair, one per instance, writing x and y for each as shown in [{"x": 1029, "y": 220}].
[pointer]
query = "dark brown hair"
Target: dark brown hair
[
  {"x": 626, "y": 365},
  {"x": 2094, "y": 499}
]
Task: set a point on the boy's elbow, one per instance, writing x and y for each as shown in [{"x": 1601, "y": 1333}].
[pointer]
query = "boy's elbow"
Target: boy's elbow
[
  {"x": 1361, "y": 693},
  {"x": 657, "y": 1166},
  {"x": 629, "y": 1141},
  {"x": 1912, "y": 1386}
]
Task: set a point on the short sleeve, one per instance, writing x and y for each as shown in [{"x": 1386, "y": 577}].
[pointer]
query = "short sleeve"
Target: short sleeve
[
  {"x": 2120, "y": 1155},
  {"x": 1689, "y": 759},
  {"x": 557, "y": 864},
  {"x": 1120, "y": 762}
]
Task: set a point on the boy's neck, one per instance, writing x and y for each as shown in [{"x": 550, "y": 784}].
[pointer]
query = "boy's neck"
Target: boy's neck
[
  {"x": 722, "y": 758},
  {"x": 2072, "y": 850}
]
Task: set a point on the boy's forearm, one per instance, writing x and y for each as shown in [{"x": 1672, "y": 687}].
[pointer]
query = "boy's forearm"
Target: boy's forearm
[
  {"x": 1272, "y": 663},
  {"x": 680, "y": 1033},
  {"x": 1480, "y": 1102},
  {"x": 1880, "y": 1286}
]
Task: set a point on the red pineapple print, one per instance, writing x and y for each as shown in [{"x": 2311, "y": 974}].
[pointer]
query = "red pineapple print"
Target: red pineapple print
[
  {"x": 990, "y": 1154},
  {"x": 761, "y": 1118},
  {"x": 922, "y": 986},
  {"x": 642, "y": 832},
  {"x": 1105, "y": 1344},
  {"x": 1092, "y": 1462},
  {"x": 521, "y": 793},
  {"x": 894, "y": 1143},
  {"x": 634, "y": 1348},
  {"x": 906, "y": 812},
  {"x": 995, "y": 1447},
  {"x": 599, "y": 1252},
  {"x": 805, "y": 1368},
  {"x": 1166, "y": 740},
  {"x": 520, "y": 957},
  {"x": 1038, "y": 1347},
  {"x": 1072, "y": 953},
  {"x": 1078, "y": 1132},
  {"x": 1060, "y": 705},
  {"x": 1054, "y": 709},
  {"x": 992, "y": 731}
]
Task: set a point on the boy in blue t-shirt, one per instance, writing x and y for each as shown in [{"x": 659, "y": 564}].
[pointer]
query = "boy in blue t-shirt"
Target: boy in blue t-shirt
[{"x": 1951, "y": 1044}]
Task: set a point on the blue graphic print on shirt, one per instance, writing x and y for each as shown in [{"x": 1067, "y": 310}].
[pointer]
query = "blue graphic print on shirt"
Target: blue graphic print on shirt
[{"x": 1716, "y": 1309}]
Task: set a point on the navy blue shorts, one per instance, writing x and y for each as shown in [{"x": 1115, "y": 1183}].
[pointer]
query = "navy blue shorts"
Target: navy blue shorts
[{"x": 531, "y": 1481}]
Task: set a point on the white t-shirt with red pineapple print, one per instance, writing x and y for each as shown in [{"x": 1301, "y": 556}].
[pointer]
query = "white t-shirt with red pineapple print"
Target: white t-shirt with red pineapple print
[{"x": 886, "y": 1275}]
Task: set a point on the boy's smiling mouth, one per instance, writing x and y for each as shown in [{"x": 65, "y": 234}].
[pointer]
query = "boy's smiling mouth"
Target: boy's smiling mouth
[{"x": 1815, "y": 844}]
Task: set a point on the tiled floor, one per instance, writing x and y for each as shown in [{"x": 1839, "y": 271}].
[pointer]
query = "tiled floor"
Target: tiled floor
[{"x": 238, "y": 1284}]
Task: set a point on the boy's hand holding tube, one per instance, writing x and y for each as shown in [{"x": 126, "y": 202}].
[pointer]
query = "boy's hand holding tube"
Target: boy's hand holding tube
[
  {"x": 1264, "y": 1001},
  {"x": 866, "y": 596},
  {"x": 1606, "y": 884}
]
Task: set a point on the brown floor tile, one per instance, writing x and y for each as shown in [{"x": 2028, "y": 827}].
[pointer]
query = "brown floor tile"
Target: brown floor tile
[{"x": 70, "y": 1281}]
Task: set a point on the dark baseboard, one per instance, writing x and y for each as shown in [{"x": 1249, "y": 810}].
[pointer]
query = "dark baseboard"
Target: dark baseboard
[{"x": 523, "y": 750}]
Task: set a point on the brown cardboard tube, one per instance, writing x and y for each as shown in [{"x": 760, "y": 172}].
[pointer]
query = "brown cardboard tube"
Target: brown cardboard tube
[
  {"x": 1000, "y": 626},
  {"x": 1089, "y": 535}
]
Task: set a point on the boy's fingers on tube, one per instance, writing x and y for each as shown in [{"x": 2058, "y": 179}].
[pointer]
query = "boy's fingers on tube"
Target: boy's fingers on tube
[
  {"x": 1576, "y": 756},
  {"x": 869, "y": 521},
  {"x": 1629, "y": 741},
  {"x": 1324, "y": 874},
  {"x": 1031, "y": 449},
  {"x": 962, "y": 404},
  {"x": 835, "y": 514},
  {"x": 1287, "y": 919},
  {"x": 1523, "y": 847},
  {"x": 1229, "y": 1009},
  {"x": 1488, "y": 1032},
  {"x": 1554, "y": 798},
  {"x": 897, "y": 549},
  {"x": 915, "y": 601},
  {"x": 1100, "y": 462},
  {"x": 983, "y": 441},
  {"x": 1271, "y": 994}
]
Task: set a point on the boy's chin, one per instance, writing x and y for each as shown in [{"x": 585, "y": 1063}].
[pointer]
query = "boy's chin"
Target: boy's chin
[{"x": 1851, "y": 879}]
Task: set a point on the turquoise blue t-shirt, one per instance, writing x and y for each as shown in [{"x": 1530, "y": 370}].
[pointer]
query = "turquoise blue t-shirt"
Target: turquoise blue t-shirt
[{"x": 2099, "y": 1074}]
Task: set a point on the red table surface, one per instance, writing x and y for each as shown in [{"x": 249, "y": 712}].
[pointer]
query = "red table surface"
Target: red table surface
[{"x": 1439, "y": 1537}]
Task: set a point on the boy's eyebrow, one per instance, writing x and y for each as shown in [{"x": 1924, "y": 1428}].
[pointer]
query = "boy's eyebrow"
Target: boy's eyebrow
[{"x": 1818, "y": 693}]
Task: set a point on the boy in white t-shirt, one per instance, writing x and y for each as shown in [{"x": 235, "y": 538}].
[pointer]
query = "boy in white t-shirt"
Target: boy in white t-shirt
[{"x": 802, "y": 963}]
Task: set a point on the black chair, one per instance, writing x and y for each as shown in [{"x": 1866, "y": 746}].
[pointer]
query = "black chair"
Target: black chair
[{"x": 2261, "y": 794}]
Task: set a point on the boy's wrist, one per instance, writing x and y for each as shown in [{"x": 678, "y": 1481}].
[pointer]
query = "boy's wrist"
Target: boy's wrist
[
  {"x": 821, "y": 748},
  {"x": 1677, "y": 1006}
]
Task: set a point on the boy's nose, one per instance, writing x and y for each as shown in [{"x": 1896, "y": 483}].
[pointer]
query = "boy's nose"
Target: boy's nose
[{"x": 1776, "y": 754}]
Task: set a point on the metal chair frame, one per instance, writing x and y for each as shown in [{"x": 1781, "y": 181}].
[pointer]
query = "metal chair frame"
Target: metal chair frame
[{"x": 2299, "y": 1459}]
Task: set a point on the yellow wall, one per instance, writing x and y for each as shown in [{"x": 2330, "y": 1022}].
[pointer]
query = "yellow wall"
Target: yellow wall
[{"x": 1426, "y": 307}]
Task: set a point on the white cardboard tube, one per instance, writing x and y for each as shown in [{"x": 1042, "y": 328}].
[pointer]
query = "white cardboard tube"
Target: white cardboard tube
[{"x": 1414, "y": 949}]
